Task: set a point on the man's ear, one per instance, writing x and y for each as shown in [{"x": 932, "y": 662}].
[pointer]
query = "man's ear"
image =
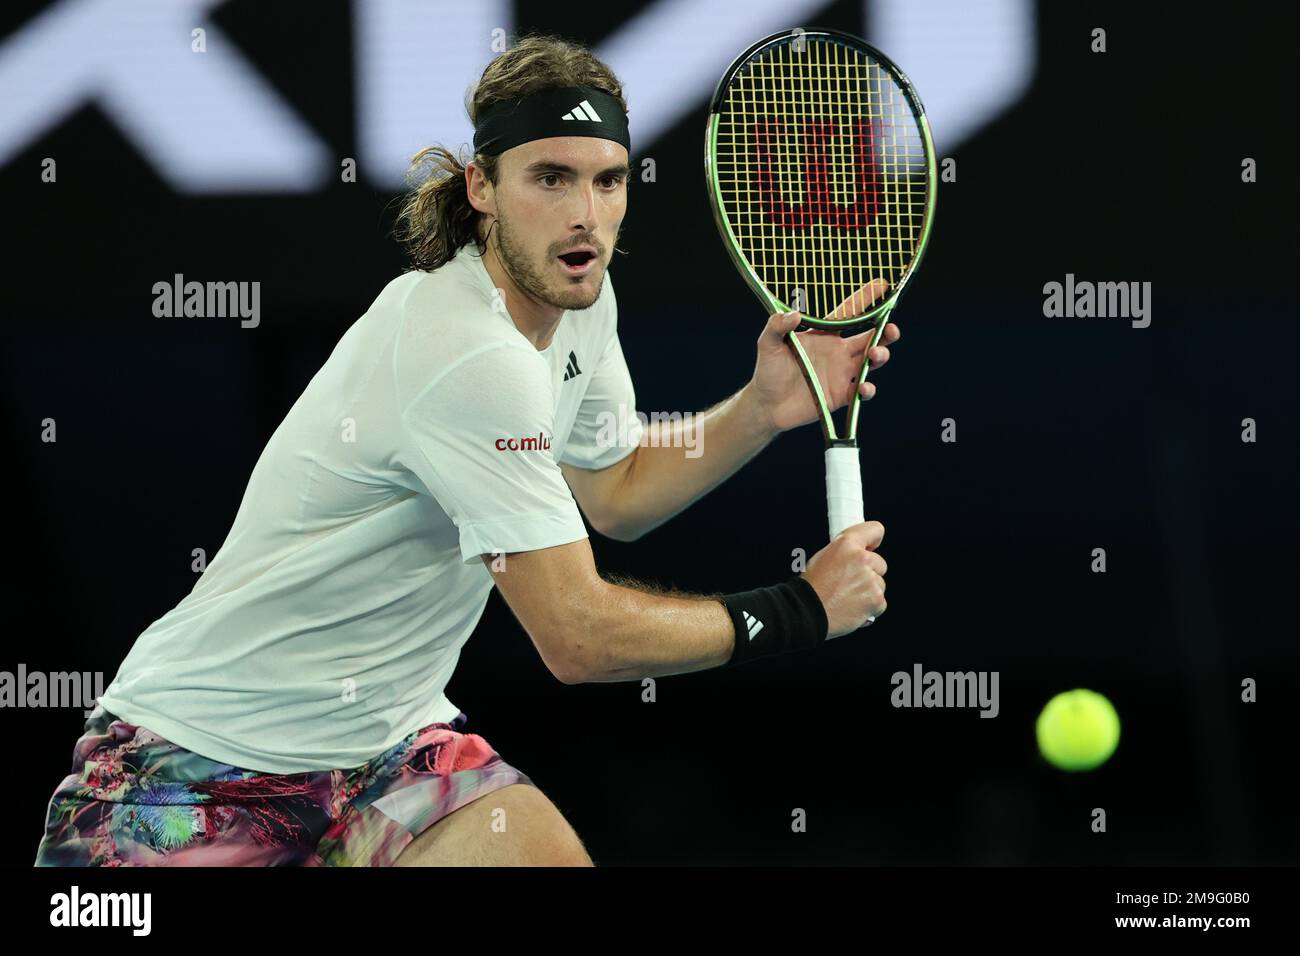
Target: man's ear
[{"x": 481, "y": 194}]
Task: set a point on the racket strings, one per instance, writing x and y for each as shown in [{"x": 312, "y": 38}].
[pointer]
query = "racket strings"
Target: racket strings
[{"x": 823, "y": 173}]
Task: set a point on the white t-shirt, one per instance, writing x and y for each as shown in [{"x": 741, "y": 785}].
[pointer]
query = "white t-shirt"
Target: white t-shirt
[{"x": 330, "y": 621}]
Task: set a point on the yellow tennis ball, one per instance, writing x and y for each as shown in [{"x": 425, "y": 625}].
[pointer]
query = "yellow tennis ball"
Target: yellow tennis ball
[{"x": 1077, "y": 730}]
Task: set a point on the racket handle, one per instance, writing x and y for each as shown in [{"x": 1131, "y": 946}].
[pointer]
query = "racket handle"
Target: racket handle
[{"x": 843, "y": 487}]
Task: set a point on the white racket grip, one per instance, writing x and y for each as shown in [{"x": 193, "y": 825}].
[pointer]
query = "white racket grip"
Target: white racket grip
[{"x": 843, "y": 487}]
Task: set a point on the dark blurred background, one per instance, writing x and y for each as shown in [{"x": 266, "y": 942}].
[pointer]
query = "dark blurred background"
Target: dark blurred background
[{"x": 1073, "y": 434}]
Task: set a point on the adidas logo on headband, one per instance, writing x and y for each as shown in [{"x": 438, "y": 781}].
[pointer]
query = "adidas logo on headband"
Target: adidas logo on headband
[{"x": 582, "y": 111}]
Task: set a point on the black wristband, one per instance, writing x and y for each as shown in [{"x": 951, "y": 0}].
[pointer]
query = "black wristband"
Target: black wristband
[{"x": 775, "y": 620}]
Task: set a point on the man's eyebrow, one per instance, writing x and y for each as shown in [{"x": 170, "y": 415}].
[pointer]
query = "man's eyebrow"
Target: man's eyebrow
[{"x": 546, "y": 166}]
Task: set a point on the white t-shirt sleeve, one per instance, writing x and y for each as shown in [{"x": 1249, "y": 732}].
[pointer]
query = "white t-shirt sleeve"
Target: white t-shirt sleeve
[
  {"x": 478, "y": 436},
  {"x": 606, "y": 429}
]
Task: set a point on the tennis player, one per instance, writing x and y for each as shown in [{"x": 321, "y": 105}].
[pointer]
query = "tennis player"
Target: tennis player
[{"x": 291, "y": 710}]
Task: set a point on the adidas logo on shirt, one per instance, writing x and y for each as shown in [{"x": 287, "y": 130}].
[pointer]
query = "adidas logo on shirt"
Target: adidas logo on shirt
[
  {"x": 582, "y": 111},
  {"x": 571, "y": 370},
  {"x": 753, "y": 623}
]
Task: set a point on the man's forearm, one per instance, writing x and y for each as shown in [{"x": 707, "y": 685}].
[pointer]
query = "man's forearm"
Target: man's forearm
[
  {"x": 636, "y": 631},
  {"x": 680, "y": 461}
]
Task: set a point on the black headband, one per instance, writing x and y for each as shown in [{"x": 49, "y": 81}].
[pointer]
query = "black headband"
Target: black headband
[{"x": 558, "y": 111}]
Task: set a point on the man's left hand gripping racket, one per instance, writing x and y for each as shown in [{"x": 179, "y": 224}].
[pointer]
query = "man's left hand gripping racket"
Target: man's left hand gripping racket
[{"x": 821, "y": 173}]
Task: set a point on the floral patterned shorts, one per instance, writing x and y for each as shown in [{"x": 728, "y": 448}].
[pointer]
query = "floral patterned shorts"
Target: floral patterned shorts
[{"x": 135, "y": 799}]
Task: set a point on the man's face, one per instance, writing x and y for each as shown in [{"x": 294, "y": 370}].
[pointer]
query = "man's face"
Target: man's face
[{"x": 564, "y": 196}]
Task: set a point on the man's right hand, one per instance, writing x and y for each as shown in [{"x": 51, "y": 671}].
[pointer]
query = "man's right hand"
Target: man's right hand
[{"x": 849, "y": 576}]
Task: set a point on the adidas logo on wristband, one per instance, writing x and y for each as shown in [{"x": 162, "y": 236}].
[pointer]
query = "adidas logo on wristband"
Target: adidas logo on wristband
[{"x": 793, "y": 618}]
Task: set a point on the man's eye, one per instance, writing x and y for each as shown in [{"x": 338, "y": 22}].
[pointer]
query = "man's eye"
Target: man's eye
[
  {"x": 612, "y": 182},
  {"x": 554, "y": 176}
]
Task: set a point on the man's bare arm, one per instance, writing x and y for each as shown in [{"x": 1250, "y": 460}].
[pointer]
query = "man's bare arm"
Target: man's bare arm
[
  {"x": 664, "y": 475},
  {"x": 587, "y": 629}
]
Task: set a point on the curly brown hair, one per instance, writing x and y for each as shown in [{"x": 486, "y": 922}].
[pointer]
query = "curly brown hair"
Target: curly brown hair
[{"x": 436, "y": 217}]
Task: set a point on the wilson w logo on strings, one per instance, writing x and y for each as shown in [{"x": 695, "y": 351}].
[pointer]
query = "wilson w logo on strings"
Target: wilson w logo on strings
[{"x": 773, "y": 151}]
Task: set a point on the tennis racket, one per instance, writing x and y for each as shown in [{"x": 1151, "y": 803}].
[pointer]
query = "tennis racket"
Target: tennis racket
[{"x": 821, "y": 174}]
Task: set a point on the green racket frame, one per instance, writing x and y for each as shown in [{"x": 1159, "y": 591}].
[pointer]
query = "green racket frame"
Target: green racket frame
[{"x": 842, "y": 455}]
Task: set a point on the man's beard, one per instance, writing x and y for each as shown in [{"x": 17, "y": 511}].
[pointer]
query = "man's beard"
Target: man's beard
[{"x": 530, "y": 280}]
